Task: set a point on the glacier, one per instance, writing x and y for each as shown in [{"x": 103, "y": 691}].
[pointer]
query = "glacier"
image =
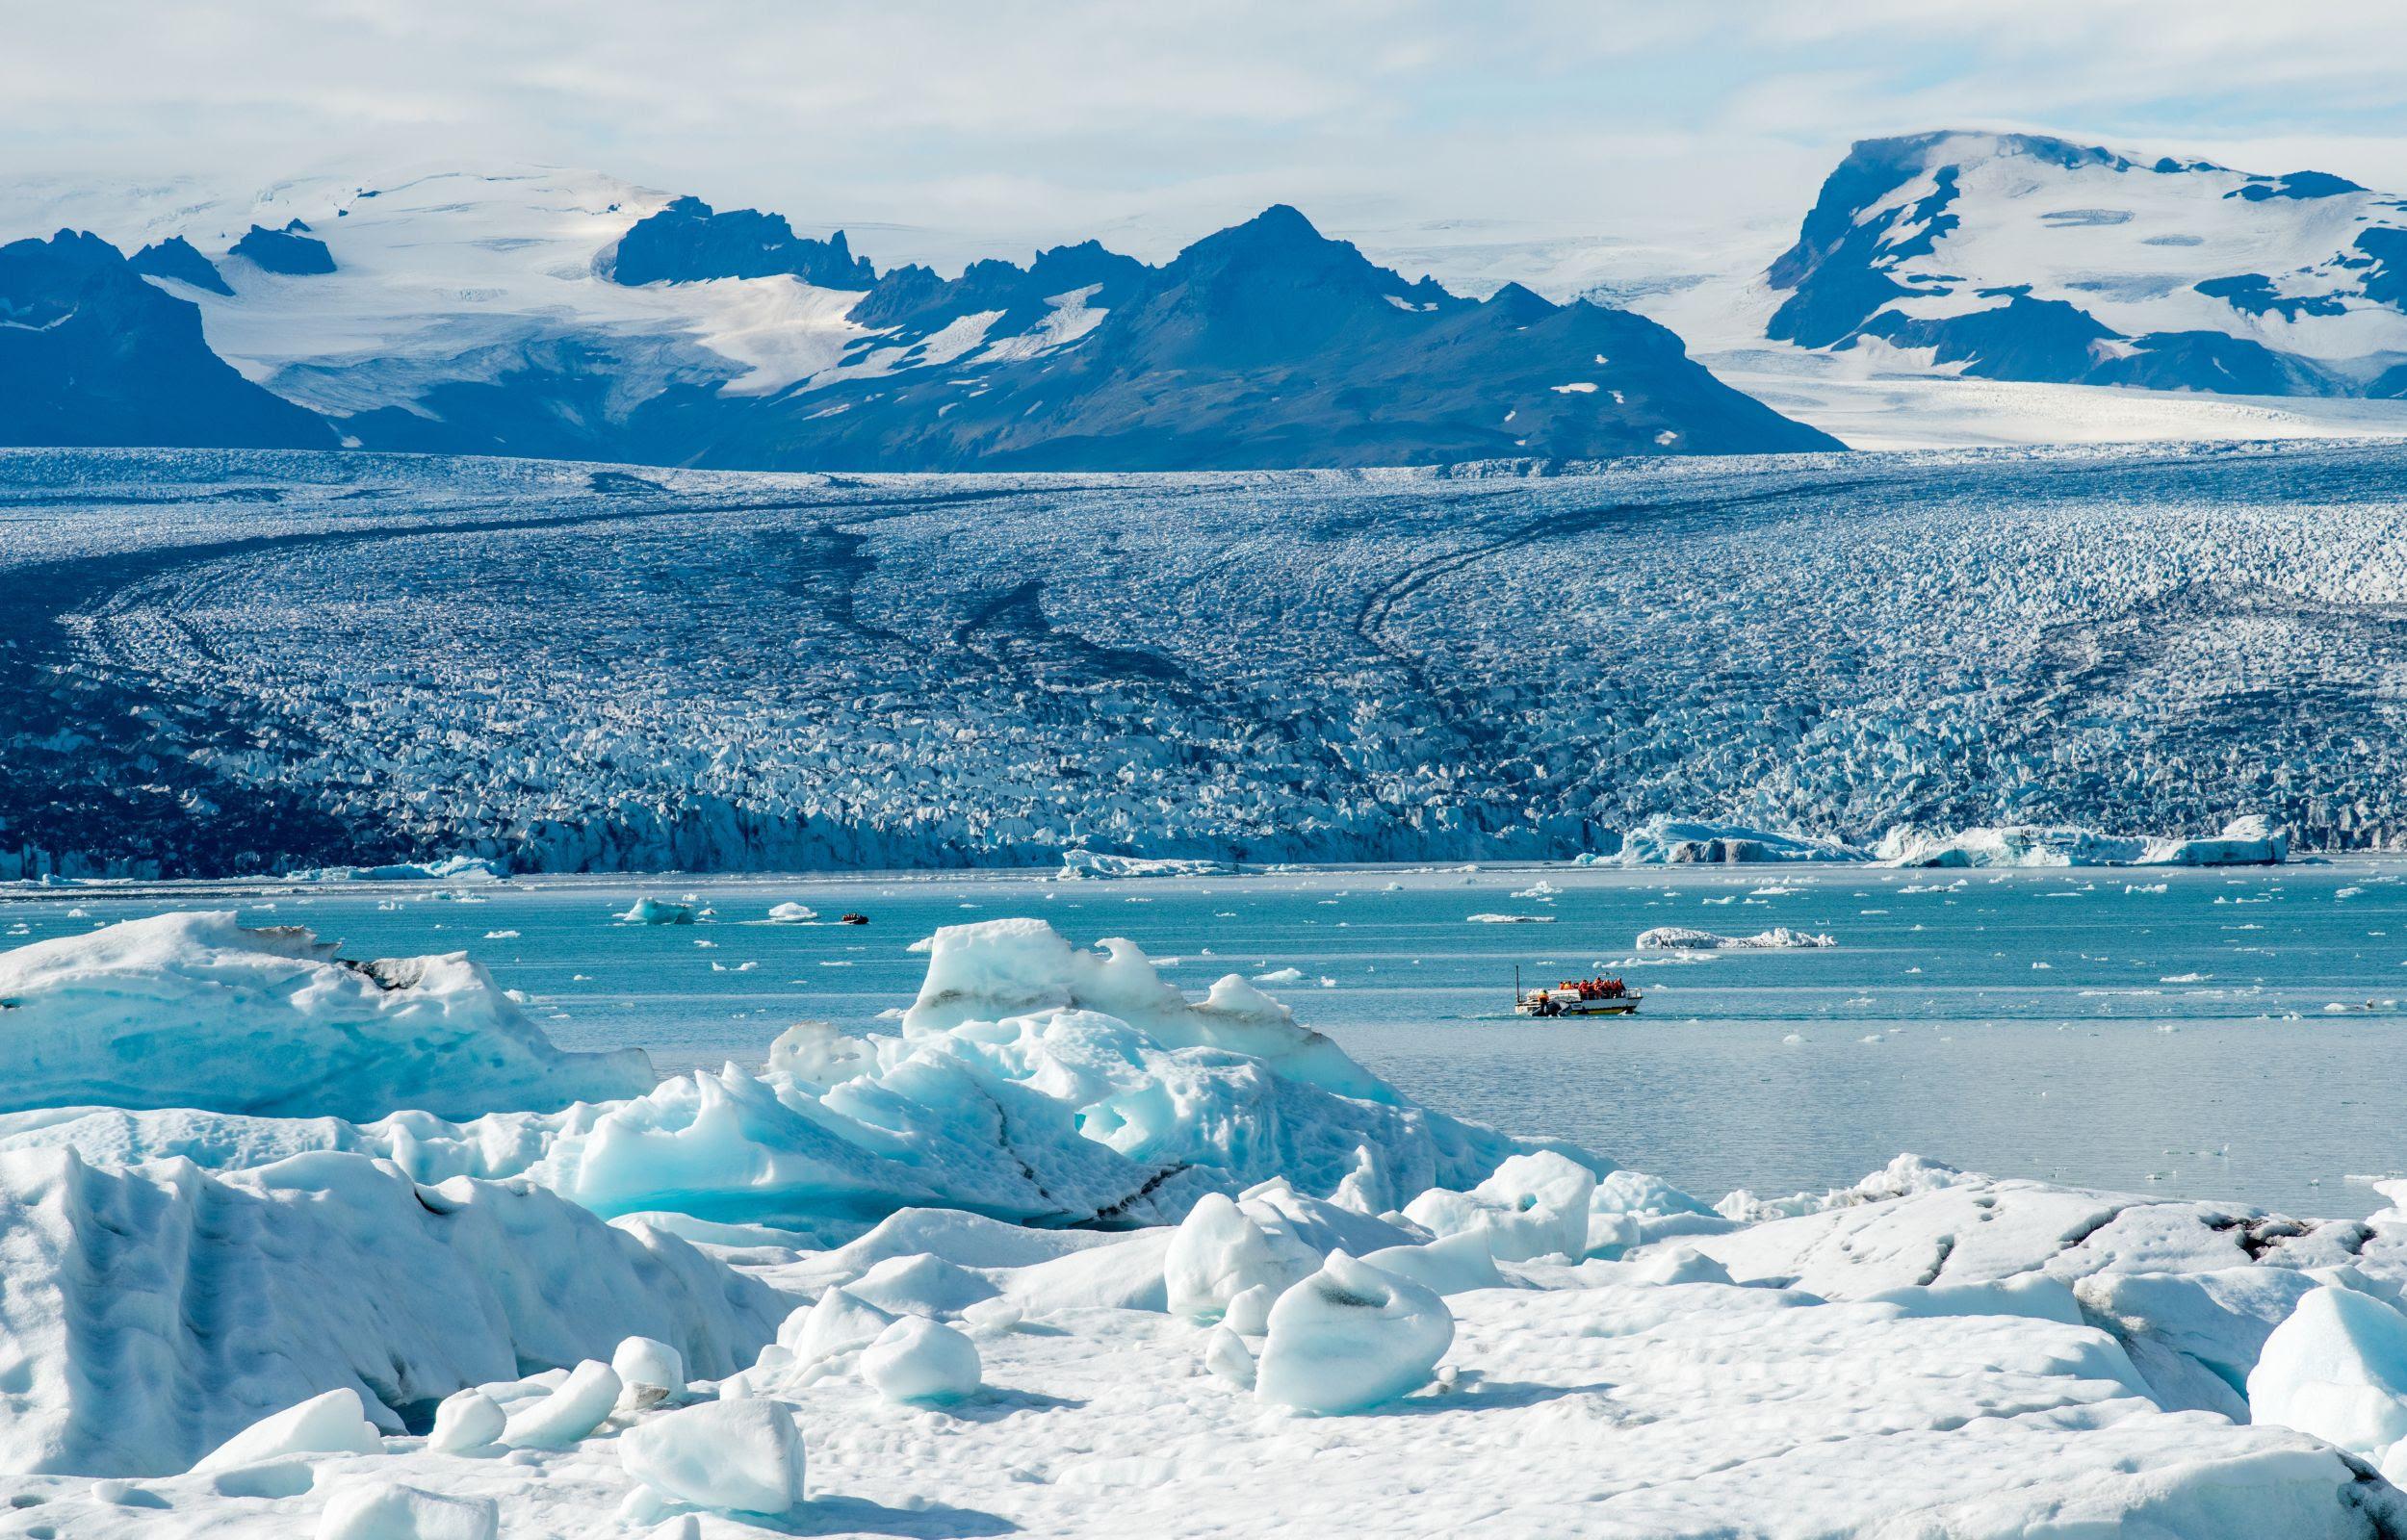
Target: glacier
[
  {"x": 358, "y": 660},
  {"x": 223, "y": 1321}
]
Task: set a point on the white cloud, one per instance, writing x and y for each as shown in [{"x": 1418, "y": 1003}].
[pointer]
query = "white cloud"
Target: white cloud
[{"x": 1661, "y": 122}]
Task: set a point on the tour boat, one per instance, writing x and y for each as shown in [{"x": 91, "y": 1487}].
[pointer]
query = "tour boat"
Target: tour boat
[{"x": 1591, "y": 998}]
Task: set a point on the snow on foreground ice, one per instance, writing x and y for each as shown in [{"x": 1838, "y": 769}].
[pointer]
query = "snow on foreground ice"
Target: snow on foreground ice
[
  {"x": 1641, "y": 1397},
  {"x": 194, "y": 1010},
  {"x": 151, "y": 1312},
  {"x": 1538, "y": 1343}
]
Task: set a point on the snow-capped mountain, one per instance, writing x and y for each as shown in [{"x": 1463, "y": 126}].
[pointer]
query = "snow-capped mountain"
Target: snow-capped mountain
[
  {"x": 566, "y": 314},
  {"x": 2019, "y": 257}
]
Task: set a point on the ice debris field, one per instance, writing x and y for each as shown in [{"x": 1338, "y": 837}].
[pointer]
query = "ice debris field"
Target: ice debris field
[
  {"x": 1064, "y": 1250},
  {"x": 214, "y": 664}
]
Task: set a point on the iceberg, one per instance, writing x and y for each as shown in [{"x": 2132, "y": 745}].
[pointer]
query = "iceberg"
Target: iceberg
[
  {"x": 450, "y": 869},
  {"x": 1030, "y": 1081},
  {"x": 1683, "y": 938},
  {"x": 153, "y": 1312},
  {"x": 192, "y": 1011},
  {"x": 790, "y": 913},
  {"x": 1079, "y": 865},
  {"x": 649, "y": 910},
  {"x": 2247, "y": 841},
  {"x": 1664, "y": 840}
]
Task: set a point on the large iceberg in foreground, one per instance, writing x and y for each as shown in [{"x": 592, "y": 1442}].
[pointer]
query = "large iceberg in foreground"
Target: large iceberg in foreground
[
  {"x": 1032, "y": 1081},
  {"x": 194, "y": 1010},
  {"x": 152, "y": 1312}
]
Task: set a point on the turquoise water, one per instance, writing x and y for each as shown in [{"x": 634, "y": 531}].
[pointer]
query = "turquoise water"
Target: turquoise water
[{"x": 2231, "y": 1034}]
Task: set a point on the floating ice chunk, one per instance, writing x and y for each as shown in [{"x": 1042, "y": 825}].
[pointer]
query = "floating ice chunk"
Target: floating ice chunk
[
  {"x": 920, "y": 1360},
  {"x": 2336, "y": 1369},
  {"x": 1077, "y": 864},
  {"x": 579, "y": 1404},
  {"x": 450, "y": 869},
  {"x": 1508, "y": 919},
  {"x": 648, "y": 910},
  {"x": 389, "y": 1510},
  {"x": 743, "y": 1456},
  {"x": 1683, "y": 938},
  {"x": 1535, "y": 1205},
  {"x": 194, "y": 1010},
  {"x": 1219, "y": 1252},
  {"x": 332, "y": 1423},
  {"x": 2245, "y": 841},
  {"x": 792, "y": 914},
  {"x": 1351, "y": 1337},
  {"x": 1280, "y": 976},
  {"x": 466, "y": 1420},
  {"x": 840, "y": 1323},
  {"x": 647, "y": 1363},
  {"x": 1668, "y": 840}
]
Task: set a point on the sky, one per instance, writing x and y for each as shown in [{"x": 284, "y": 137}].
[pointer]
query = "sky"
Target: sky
[{"x": 1689, "y": 129}]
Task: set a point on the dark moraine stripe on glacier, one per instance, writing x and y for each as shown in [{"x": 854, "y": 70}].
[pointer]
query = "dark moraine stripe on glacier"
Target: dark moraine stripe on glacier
[
  {"x": 1264, "y": 669},
  {"x": 111, "y": 775}
]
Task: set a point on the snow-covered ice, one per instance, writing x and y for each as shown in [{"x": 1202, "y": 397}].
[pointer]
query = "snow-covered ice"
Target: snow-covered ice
[{"x": 1324, "y": 1288}]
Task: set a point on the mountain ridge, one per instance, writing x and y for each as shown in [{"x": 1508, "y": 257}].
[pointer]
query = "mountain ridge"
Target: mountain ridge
[
  {"x": 449, "y": 314},
  {"x": 2030, "y": 256}
]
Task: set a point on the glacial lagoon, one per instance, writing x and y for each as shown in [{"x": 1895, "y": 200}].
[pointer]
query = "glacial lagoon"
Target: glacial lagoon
[{"x": 2229, "y": 1034}]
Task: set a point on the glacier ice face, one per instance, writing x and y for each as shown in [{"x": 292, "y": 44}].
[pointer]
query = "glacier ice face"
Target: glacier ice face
[
  {"x": 194, "y": 1010},
  {"x": 936, "y": 677}
]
